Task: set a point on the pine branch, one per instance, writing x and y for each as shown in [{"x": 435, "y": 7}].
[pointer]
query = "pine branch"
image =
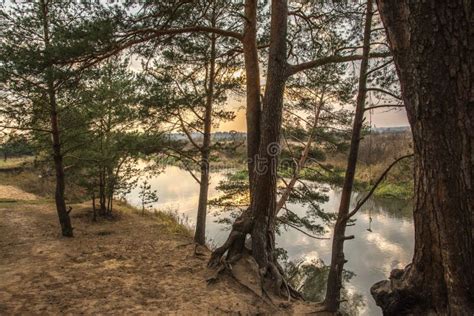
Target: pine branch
[
  {"x": 300, "y": 230},
  {"x": 384, "y": 106},
  {"x": 293, "y": 69},
  {"x": 385, "y": 92},
  {"x": 25, "y": 128}
]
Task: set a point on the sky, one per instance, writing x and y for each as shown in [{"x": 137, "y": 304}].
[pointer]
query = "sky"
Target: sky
[
  {"x": 380, "y": 118},
  {"x": 383, "y": 117}
]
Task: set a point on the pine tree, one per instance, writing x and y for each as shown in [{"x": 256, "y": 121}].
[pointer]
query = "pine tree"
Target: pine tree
[{"x": 33, "y": 80}]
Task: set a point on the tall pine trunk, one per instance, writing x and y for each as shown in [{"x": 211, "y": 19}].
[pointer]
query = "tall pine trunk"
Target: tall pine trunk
[
  {"x": 63, "y": 214},
  {"x": 94, "y": 208},
  {"x": 259, "y": 219},
  {"x": 102, "y": 192},
  {"x": 252, "y": 72},
  {"x": 200, "y": 234},
  {"x": 242, "y": 225},
  {"x": 432, "y": 43},
  {"x": 334, "y": 283},
  {"x": 264, "y": 198}
]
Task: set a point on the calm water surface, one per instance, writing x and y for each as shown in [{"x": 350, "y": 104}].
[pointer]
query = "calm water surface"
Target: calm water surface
[{"x": 372, "y": 254}]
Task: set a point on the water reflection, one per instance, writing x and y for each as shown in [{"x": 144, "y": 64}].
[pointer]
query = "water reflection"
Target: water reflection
[
  {"x": 380, "y": 245},
  {"x": 310, "y": 278}
]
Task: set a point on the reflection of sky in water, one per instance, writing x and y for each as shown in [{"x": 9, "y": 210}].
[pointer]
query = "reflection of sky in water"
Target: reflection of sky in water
[{"x": 371, "y": 255}]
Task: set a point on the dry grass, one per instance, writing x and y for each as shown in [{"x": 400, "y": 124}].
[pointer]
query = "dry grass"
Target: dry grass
[
  {"x": 8, "y": 192},
  {"x": 15, "y": 162},
  {"x": 31, "y": 181},
  {"x": 168, "y": 218}
]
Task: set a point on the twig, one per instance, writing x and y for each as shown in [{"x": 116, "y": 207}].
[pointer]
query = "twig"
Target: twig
[
  {"x": 379, "y": 180},
  {"x": 301, "y": 231}
]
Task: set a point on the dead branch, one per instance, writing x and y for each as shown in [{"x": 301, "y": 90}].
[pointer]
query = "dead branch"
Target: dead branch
[{"x": 360, "y": 203}]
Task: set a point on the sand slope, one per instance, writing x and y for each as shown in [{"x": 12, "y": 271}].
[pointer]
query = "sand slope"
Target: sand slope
[{"x": 131, "y": 265}]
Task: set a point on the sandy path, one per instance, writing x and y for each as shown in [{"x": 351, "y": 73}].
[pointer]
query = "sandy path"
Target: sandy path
[{"x": 128, "y": 266}]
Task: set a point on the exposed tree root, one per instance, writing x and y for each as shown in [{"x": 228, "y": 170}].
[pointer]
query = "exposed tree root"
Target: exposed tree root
[
  {"x": 197, "y": 253},
  {"x": 397, "y": 296},
  {"x": 235, "y": 243},
  {"x": 231, "y": 255},
  {"x": 185, "y": 245}
]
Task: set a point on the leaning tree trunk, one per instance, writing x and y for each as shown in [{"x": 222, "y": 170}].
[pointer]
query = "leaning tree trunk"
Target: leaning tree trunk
[
  {"x": 301, "y": 162},
  {"x": 334, "y": 283},
  {"x": 432, "y": 44},
  {"x": 200, "y": 234},
  {"x": 259, "y": 219},
  {"x": 63, "y": 214}
]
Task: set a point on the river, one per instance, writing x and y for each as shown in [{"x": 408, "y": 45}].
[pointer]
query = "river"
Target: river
[{"x": 379, "y": 246}]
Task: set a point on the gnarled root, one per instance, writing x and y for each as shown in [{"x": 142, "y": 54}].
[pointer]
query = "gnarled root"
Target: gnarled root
[
  {"x": 397, "y": 296},
  {"x": 235, "y": 243},
  {"x": 260, "y": 270},
  {"x": 216, "y": 256},
  {"x": 280, "y": 285}
]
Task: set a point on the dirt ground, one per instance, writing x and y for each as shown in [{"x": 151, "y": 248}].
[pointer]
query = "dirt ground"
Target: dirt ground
[{"x": 129, "y": 265}]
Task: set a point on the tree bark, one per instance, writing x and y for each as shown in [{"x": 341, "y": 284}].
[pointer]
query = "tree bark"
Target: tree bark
[
  {"x": 200, "y": 234},
  {"x": 259, "y": 219},
  {"x": 334, "y": 283},
  {"x": 432, "y": 45},
  {"x": 234, "y": 245},
  {"x": 264, "y": 200},
  {"x": 103, "y": 207},
  {"x": 94, "y": 209},
  {"x": 64, "y": 219},
  {"x": 110, "y": 202},
  {"x": 252, "y": 72}
]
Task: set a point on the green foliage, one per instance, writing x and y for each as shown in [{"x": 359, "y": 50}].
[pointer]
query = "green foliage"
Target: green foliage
[
  {"x": 178, "y": 85},
  {"x": 147, "y": 196},
  {"x": 402, "y": 191},
  {"x": 111, "y": 127},
  {"x": 234, "y": 198},
  {"x": 16, "y": 145}
]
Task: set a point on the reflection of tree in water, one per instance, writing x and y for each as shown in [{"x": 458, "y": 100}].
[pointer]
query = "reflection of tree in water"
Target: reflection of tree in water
[{"x": 310, "y": 279}]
